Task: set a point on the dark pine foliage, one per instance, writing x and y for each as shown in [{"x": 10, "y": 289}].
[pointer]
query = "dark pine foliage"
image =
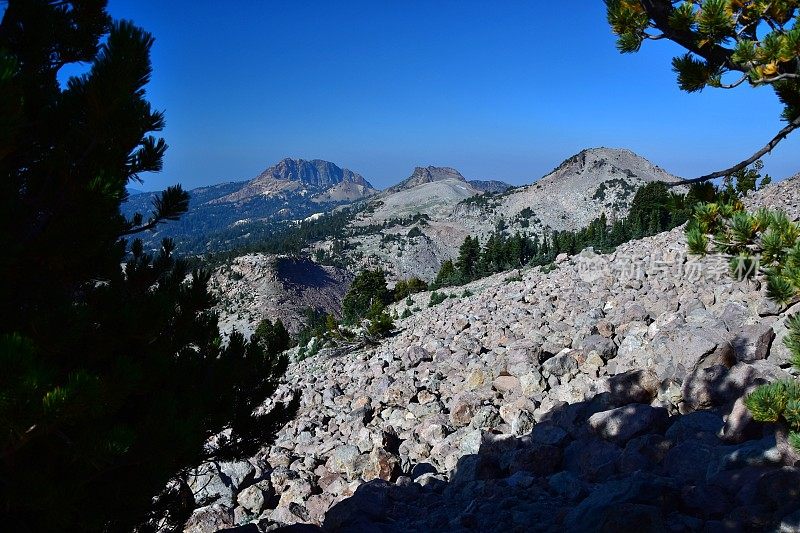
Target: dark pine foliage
[
  {"x": 274, "y": 338},
  {"x": 368, "y": 287},
  {"x": 113, "y": 377}
]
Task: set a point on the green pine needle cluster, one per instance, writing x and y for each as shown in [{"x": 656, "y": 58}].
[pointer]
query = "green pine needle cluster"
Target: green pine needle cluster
[
  {"x": 727, "y": 42},
  {"x": 765, "y": 242}
]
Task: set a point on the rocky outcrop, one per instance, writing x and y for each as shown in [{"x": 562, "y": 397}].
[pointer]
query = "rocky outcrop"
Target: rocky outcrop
[
  {"x": 490, "y": 186},
  {"x": 604, "y": 395},
  {"x": 257, "y": 286}
]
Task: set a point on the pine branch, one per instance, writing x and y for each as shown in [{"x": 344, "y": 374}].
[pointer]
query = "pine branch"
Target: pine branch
[
  {"x": 172, "y": 203},
  {"x": 660, "y": 11},
  {"x": 747, "y": 162}
]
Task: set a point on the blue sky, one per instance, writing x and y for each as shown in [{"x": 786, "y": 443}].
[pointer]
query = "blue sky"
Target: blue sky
[{"x": 499, "y": 90}]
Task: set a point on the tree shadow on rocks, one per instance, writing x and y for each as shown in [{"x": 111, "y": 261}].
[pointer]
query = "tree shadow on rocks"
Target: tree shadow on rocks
[{"x": 612, "y": 463}]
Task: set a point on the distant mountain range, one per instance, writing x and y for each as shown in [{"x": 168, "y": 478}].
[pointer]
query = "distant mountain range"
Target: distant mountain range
[
  {"x": 229, "y": 215},
  {"x": 408, "y": 229},
  {"x": 221, "y": 216}
]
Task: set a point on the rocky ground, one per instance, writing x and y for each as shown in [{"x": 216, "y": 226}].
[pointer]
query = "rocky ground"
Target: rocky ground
[{"x": 604, "y": 395}]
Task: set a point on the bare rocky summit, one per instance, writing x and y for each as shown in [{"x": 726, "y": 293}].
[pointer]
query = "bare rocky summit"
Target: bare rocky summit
[
  {"x": 322, "y": 180},
  {"x": 429, "y": 174},
  {"x": 589, "y": 183},
  {"x": 604, "y": 395}
]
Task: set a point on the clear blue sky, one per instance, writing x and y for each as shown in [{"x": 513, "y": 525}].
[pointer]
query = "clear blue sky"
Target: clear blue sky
[{"x": 499, "y": 90}]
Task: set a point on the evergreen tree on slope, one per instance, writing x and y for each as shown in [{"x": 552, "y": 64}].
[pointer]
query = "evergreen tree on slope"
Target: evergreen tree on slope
[{"x": 112, "y": 378}]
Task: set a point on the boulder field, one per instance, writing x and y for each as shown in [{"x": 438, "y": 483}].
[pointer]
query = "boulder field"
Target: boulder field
[{"x": 604, "y": 394}]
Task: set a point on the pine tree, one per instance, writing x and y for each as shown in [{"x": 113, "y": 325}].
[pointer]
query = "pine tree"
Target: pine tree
[
  {"x": 368, "y": 287},
  {"x": 468, "y": 259},
  {"x": 447, "y": 275},
  {"x": 274, "y": 338},
  {"x": 113, "y": 379},
  {"x": 728, "y": 43}
]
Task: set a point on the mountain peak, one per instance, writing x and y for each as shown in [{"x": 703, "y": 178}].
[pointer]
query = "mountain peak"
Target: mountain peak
[
  {"x": 596, "y": 161},
  {"x": 316, "y": 173},
  {"x": 321, "y": 178},
  {"x": 427, "y": 174}
]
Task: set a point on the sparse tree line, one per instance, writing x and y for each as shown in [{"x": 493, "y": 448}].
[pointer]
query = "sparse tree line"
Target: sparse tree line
[{"x": 654, "y": 209}]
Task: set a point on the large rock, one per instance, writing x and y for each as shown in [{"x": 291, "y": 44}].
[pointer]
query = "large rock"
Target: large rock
[
  {"x": 623, "y": 423},
  {"x": 752, "y": 342},
  {"x": 636, "y": 503},
  {"x": 463, "y": 408},
  {"x": 381, "y": 465},
  {"x": 209, "y": 485},
  {"x": 347, "y": 460},
  {"x": 209, "y": 519},
  {"x": 253, "y": 497},
  {"x": 634, "y": 386}
]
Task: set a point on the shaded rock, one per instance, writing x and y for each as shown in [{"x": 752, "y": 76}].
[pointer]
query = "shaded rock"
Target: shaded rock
[
  {"x": 632, "y": 504},
  {"x": 549, "y": 434},
  {"x": 209, "y": 519},
  {"x": 690, "y": 461},
  {"x": 635, "y": 386},
  {"x": 644, "y": 453},
  {"x": 623, "y": 423},
  {"x": 700, "y": 425},
  {"x": 778, "y": 490},
  {"x": 705, "y": 501},
  {"x": 592, "y": 458},
  {"x": 567, "y": 485},
  {"x": 421, "y": 469},
  {"x": 540, "y": 460}
]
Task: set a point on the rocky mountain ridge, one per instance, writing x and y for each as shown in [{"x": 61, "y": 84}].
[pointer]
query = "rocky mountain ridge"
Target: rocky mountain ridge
[
  {"x": 602, "y": 395},
  {"x": 228, "y": 215},
  {"x": 594, "y": 181}
]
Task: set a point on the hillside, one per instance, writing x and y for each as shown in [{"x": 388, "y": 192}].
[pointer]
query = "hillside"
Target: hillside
[
  {"x": 590, "y": 182},
  {"x": 254, "y": 287},
  {"x": 604, "y": 395},
  {"x": 449, "y": 208}
]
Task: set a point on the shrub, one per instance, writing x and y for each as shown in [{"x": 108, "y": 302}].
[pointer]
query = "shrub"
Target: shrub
[{"x": 436, "y": 298}]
